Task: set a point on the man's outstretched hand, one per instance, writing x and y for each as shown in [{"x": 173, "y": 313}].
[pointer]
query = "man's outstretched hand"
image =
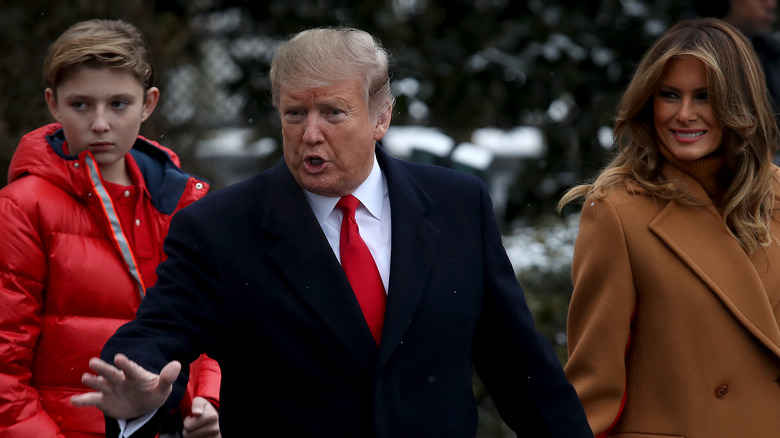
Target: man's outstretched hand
[{"x": 126, "y": 390}]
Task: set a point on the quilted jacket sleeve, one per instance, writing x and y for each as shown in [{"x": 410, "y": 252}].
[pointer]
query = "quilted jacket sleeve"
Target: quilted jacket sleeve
[
  {"x": 22, "y": 278},
  {"x": 205, "y": 378},
  {"x": 600, "y": 315}
]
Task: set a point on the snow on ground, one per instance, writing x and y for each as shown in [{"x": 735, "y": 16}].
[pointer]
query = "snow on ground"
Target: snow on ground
[{"x": 547, "y": 247}]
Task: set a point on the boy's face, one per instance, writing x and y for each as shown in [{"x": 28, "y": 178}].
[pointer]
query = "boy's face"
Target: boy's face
[{"x": 101, "y": 110}]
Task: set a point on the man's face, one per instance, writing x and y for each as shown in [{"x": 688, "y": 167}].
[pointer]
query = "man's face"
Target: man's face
[
  {"x": 753, "y": 16},
  {"x": 101, "y": 110},
  {"x": 329, "y": 136}
]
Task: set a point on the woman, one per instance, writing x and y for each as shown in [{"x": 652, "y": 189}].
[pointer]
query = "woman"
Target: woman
[{"x": 673, "y": 324}]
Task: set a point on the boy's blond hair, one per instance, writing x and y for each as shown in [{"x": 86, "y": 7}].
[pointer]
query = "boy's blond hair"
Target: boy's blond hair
[{"x": 113, "y": 44}]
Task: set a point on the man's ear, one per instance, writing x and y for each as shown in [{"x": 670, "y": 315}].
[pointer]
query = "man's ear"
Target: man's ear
[
  {"x": 51, "y": 102},
  {"x": 383, "y": 122},
  {"x": 152, "y": 97}
]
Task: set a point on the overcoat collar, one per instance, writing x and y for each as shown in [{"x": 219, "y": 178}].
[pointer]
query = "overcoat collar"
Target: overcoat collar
[
  {"x": 304, "y": 257},
  {"x": 703, "y": 243}
]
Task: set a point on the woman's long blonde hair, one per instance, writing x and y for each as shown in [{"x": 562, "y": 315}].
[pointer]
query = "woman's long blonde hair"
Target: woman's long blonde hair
[{"x": 737, "y": 91}]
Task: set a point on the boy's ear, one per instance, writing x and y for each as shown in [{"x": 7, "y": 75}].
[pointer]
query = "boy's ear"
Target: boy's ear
[
  {"x": 51, "y": 102},
  {"x": 152, "y": 96}
]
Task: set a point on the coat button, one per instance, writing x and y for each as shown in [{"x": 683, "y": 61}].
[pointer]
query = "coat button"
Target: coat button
[{"x": 722, "y": 390}]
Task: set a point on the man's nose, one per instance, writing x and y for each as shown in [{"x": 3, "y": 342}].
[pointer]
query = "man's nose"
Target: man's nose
[{"x": 311, "y": 129}]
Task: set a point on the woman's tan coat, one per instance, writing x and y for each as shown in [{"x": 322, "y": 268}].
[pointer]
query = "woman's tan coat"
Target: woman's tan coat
[{"x": 672, "y": 328}]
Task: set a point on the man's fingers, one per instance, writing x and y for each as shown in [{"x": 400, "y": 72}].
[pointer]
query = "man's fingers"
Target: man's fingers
[
  {"x": 87, "y": 399},
  {"x": 98, "y": 383},
  {"x": 130, "y": 369},
  {"x": 170, "y": 373},
  {"x": 106, "y": 370}
]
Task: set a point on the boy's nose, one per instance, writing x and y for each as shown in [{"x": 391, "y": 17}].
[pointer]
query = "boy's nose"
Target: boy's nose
[{"x": 100, "y": 124}]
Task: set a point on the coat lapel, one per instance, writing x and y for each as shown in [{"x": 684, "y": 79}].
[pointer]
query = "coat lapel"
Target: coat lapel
[
  {"x": 413, "y": 248},
  {"x": 306, "y": 260},
  {"x": 703, "y": 243}
]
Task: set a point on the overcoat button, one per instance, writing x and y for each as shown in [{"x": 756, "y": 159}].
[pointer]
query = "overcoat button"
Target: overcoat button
[{"x": 721, "y": 391}]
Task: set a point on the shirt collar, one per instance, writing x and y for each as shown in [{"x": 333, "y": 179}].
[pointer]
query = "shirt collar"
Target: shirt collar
[
  {"x": 135, "y": 174},
  {"x": 370, "y": 192}
]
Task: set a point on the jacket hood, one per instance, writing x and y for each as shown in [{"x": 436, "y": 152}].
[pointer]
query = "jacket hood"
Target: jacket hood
[{"x": 41, "y": 153}]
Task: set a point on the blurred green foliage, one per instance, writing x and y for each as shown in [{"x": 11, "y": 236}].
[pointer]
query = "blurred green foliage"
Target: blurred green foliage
[{"x": 553, "y": 64}]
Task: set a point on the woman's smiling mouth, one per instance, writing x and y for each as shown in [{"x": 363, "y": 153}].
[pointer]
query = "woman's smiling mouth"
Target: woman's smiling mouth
[{"x": 688, "y": 136}]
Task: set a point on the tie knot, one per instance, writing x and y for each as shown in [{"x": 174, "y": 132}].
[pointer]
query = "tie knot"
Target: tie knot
[{"x": 348, "y": 204}]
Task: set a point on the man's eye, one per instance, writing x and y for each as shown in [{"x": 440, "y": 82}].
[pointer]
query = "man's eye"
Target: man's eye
[
  {"x": 119, "y": 104},
  {"x": 293, "y": 115}
]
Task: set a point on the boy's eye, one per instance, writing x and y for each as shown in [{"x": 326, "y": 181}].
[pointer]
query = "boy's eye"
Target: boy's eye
[
  {"x": 78, "y": 105},
  {"x": 119, "y": 104}
]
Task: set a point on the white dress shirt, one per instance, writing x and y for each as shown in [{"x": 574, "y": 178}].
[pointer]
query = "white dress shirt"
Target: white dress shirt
[{"x": 372, "y": 216}]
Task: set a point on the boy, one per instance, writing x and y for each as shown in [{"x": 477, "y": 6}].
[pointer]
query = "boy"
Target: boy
[{"x": 85, "y": 213}]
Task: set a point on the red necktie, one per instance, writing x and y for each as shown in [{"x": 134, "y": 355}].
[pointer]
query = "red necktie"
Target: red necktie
[{"x": 360, "y": 268}]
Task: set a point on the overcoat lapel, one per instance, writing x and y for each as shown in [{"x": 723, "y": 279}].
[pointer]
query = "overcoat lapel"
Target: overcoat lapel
[
  {"x": 306, "y": 261},
  {"x": 413, "y": 248},
  {"x": 703, "y": 243}
]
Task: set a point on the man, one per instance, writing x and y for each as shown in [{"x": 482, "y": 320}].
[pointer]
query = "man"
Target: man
[{"x": 253, "y": 278}]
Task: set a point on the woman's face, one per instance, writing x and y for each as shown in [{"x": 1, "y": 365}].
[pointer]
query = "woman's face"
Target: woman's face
[{"x": 682, "y": 113}]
